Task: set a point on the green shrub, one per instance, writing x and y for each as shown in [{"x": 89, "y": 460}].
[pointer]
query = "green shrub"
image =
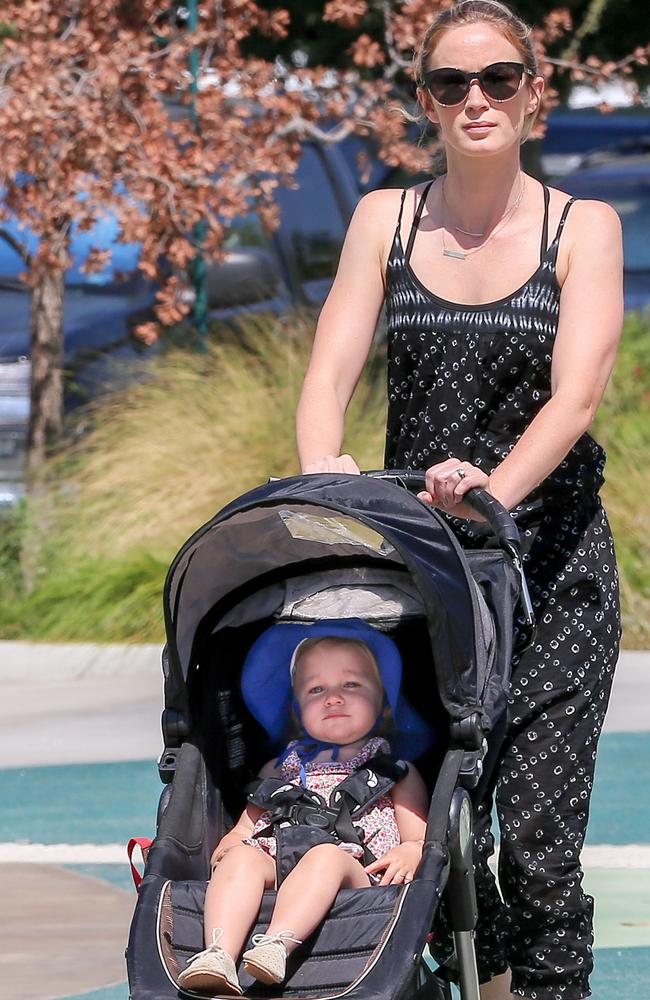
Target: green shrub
[
  {"x": 622, "y": 426},
  {"x": 86, "y": 559}
]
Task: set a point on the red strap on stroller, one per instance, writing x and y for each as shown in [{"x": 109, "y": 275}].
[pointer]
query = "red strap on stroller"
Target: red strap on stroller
[{"x": 144, "y": 844}]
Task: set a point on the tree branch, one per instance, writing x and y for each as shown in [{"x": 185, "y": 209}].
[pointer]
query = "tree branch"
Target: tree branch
[
  {"x": 301, "y": 126},
  {"x": 19, "y": 247},
  {"x": 592, "y": 70}
]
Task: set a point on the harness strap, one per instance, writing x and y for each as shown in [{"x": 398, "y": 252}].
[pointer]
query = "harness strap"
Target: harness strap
[
  {"x": 368, "y": 783},
  {"x": 144, "y": 843},
  {"x": 299, "y": 807}
]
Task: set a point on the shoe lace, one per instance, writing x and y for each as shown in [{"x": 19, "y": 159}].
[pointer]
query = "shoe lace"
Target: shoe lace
[
  {"x": 277, "y": 939},
  {"x": 217, "y": 934}
]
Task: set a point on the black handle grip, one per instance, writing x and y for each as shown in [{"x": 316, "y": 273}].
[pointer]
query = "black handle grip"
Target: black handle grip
[{"x": 496, "y": 515}]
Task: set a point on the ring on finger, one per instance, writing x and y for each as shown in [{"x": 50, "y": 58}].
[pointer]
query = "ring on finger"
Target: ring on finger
[{"x": 460, "y": 472}]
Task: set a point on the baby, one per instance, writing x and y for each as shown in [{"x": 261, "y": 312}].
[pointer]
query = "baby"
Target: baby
[{"x": 340, "y": 703}]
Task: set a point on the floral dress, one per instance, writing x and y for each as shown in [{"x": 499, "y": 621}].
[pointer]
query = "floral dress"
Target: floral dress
[{"x": 378, "y": 823}]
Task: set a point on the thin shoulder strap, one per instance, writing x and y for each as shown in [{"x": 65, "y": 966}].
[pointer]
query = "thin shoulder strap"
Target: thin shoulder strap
[
  {"x": 544, "y": 243},
  {"x": 560, "y": 227},
  {"x": 416, "y": 221},
  {"x": 398, "y": 227}
]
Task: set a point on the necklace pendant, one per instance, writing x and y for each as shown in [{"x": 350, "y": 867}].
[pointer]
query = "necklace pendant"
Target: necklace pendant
[{"x": 458, "y": 254}]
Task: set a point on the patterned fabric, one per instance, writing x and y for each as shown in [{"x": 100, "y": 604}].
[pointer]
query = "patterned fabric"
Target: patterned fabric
[
  {"x": 467, "y": 380},
  {"x": 378, "y": 823}
]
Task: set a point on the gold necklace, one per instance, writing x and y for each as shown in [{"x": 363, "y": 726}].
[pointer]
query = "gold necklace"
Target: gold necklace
[{"x": 462, "y": 254}]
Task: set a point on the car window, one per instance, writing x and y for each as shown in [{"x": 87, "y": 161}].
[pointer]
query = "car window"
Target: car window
[
  {"x": 245, "y": 231},
  {"x": 312, "y": 226}
]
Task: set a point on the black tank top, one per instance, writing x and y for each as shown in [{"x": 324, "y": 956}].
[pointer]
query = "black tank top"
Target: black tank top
[{"x": 467, "y": 380}]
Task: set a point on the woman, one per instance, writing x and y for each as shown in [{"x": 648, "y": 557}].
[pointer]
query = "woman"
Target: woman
[{"x": 496, "y": 388}]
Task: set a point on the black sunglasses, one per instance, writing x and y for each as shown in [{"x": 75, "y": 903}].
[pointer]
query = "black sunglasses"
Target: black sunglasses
[{"x": 499, "y": 81}]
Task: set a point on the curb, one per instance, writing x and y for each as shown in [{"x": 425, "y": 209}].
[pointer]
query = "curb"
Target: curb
[{"x": 33, "y": 662}]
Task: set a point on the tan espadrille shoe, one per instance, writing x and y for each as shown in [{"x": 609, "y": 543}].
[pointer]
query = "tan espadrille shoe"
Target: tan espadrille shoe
[
  {"x": 212, "y": 970},
  {"x": 267, "y": 960}
]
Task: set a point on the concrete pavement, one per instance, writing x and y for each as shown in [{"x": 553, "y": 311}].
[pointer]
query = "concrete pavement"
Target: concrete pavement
[
  {"x": 78, "y": 703},
  {"x": 61, "y": 932}
]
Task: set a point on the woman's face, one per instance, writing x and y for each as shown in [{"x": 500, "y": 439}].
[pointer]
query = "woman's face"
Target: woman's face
[
  {"x": 479, "y": 126},
  {"x": 338, "y": 693}
]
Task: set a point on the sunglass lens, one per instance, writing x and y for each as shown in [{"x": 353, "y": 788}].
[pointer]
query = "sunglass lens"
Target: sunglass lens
[
  {"x": 448, "y": 86},
  {"x": 501, "y": 81}
]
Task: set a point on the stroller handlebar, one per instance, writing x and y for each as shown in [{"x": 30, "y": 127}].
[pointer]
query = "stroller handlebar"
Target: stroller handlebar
[
  {"x": 499, "y": 519},
  {"x": 496, "y": 515}
]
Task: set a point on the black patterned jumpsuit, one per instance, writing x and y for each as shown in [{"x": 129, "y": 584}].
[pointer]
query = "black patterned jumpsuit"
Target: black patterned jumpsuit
[{"x": 465, "y": 381}]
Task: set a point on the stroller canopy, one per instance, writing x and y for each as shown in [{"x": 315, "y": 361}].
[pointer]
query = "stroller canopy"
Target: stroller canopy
[{"x": 297, "y": 527}]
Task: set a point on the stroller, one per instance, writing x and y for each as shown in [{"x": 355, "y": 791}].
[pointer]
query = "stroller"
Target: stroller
[{"x": 307, "y": 549}]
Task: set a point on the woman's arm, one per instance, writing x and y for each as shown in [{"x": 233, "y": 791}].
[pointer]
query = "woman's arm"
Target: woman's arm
[
  {"x": 589, "y": 328},
  {"x": 344, "y": 335}
]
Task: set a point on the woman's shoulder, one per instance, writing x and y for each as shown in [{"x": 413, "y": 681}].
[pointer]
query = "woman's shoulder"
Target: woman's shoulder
[
  {"x": 584, "y": 212},
  {"x": 377, "y": 213},
  {"x": 376, "y": 208},
  {"x": 386, "y": 202}
]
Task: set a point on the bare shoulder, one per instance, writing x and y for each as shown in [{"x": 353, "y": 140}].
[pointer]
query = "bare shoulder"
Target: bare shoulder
[
  {"x": 411, "y": 782},
  {"x": 378, "y": 211},
  {"x": 384, "y": 204},
  {"x": 377, "y": 208},
  {"x": 270, "y": 770},
  {"x": 587, "y": 217},
  {"x": 592, "y": 230}
]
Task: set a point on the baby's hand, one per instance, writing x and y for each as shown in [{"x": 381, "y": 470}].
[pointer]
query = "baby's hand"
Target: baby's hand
[
  {"x": 230, "y": 840},
  {"x": 399, "y": 864}
]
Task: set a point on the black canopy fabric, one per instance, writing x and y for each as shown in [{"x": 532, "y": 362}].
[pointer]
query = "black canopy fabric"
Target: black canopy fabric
[{"x": 294, "y": 525}]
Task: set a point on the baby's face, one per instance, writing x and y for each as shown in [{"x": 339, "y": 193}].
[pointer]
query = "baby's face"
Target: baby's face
[{"x": 339, "y": 694}]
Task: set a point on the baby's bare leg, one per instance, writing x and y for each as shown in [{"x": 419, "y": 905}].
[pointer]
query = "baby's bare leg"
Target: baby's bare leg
[
  {"x": 307, "y": 893},
  {"x": 234, "y": 895},
  {"x": 497, "y": 988}
]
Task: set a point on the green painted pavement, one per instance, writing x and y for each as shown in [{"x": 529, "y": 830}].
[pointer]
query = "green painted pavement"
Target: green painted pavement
[
  {"x": 79, "y": 803},
  {"x": 108, "y": 803},
  {"x": 619, "y": 974},
  {"x": 622, "y": 912}
]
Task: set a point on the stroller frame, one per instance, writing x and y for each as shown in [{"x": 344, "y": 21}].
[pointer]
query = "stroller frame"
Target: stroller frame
[{"x": 200, "y": 781}]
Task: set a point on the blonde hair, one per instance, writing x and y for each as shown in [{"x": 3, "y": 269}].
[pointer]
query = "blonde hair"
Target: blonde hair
[
  {"x": 516, "y": 31},
  {"x": 308, "y": 645}
]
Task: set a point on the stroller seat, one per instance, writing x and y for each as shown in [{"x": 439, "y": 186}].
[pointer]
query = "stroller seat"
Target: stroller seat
[{"x": 336, "y": 958}]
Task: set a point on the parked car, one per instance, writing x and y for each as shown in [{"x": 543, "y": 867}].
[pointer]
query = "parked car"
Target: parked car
[
  {"x": 260, "y": 273},
  {"x": 572, "y": 135},
  {"x": 100, "y": 313},
  {"x": 623, "y": 182}
]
